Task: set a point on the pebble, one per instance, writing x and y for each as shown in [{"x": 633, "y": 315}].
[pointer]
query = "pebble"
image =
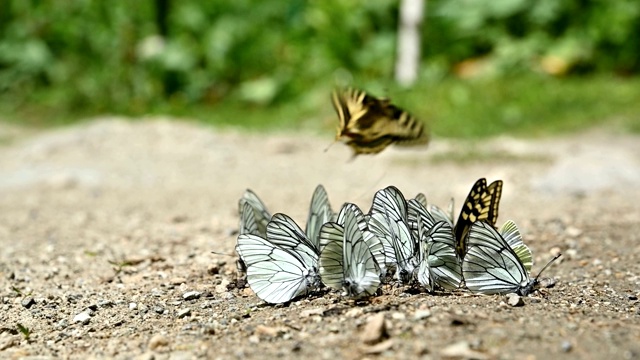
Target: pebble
[
  {"x": 157, "y": 341},
  {"x": 462, "y": 350},
  {"x": 632, "y": 297},
  {"x": 268, "y": 331},
  {"x": 573, "y": 231},
  {"x": 515, "y": 300},
  {"x": 158, "y": 309},
  {"x": 191, "y": 295},
  {"x": 375, "y": 330},
  {"x": 379, "y": 347},
  {"x": 28, "y": 302},
  {"x": 133, "y": 306},
  {"x": 183, "y": 313},
  {"x": 82, "y": 318},
  {"x": 566, "y": 346},
  {"x": 421, "y": 314},
  {"x": 177, "y": 281},
  {"x": 311, "y": 312}
]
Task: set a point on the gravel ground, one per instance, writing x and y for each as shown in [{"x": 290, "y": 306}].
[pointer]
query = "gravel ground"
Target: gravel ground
[{"x": 107, "y": 230}]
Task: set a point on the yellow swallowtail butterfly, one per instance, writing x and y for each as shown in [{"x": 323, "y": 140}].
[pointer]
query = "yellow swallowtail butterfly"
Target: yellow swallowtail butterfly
[
  {"x": 481, "y": 205},
  {"x": 369, "y": 124}
]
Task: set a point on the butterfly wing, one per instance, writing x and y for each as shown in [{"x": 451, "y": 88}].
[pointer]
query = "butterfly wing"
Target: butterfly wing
[
  {"x": 512, "y": 236},
  {"x": 375, "y": 244},
  {"x": 444, "y": 265},
  {"x": 319, "y": 213},
  {"x": 285, "y": 233},
  {"x": 490, "y": 266},
  {"x": 480, "y": 205},
  {"x": 331, "y": 258},
  {"x": 369, "y": 124},
  {"x": 361, "y": 271},
  {"x": 260, "y": 213},
  {"x": 275, "y": 274}
]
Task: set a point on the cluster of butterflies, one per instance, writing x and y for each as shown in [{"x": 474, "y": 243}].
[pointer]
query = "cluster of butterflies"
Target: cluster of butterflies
[
  {"x": 369, "y": 124},
  {"x": 397, "y": 241}
]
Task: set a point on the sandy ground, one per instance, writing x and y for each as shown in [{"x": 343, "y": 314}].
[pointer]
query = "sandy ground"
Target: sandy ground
[{"x": 107, "y": 230}]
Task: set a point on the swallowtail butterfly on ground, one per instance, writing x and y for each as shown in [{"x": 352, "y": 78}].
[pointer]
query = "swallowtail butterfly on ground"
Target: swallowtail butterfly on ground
[{"x": 480, "y": 205}]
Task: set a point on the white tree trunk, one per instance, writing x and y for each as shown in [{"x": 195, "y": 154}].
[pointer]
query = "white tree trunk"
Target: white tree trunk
[{"x": 408, "y": 56}]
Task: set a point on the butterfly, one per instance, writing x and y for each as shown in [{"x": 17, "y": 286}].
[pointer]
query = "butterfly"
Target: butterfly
[
  {"x": 347, "y": 260},
  {"x": 254, "y": 217},
  {"x": 511, "y": 234},
  {"x": 281, "y": 266},
  {"x": 481, "y": 205},
  {"x": 319, "y": 213},
  {"x": 492, "y": 267},
  {"x": 388, "y": 220},
  {"x": 437, "y": 213},
  {"x": 438, "y": 263},
  {"x": 369, "y": 124}
]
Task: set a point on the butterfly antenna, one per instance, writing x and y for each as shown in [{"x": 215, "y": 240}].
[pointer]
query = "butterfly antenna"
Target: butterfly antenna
[
  {"x": 330, "y": 145},
  {"x": 223, "y": 254},
  {"x": 549, "y": 263}
]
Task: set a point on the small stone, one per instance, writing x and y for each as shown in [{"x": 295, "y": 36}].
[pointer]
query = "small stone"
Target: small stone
[
  {"x": 566, "y": 346},
  {"x": 133, "y": 306},
  {"x": 183, "y": 313},
  {"x": 82, "y": 318},
  {"x": 515, "y": 300},
  {"x": 158, "y": 309},
  {"x": 462, "y": 350},
  {"x": 632, "y": 297},
  {"x": 573, "y": 231},
  {"x": 177, "y": 281},
  {"x": 157, "y": 341},
  {"x": 269, "y": 331},
  {"x": 254, "y": 339},
  {"x": 379, "y": 347},
  {"x": 28, "y": 302},
  {"x": 375, "y": 330},
  {"x": 311, "y": 312},
  {"x": 222, "y": 287},
  {"x": 105, "y": 303},
  {"x": 421, "y": 314},
  {"x": 398, "y": 316},
  {"x": 191, "y": 295}
]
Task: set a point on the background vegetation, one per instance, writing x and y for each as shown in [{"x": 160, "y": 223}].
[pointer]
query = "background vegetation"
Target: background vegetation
[{"x": 488, "y": 66}]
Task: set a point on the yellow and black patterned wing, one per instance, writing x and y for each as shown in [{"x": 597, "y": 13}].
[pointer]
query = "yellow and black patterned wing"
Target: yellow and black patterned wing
[
  {"x": 369, "y": 124},
  {"x": 481, "y": 205}
]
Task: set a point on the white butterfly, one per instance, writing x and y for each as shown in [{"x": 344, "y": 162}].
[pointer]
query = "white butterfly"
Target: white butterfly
[
  {"x": 346, "y": 261},
  {"x": 255, "y": 220},
  {"x": 438, "y": 264},
  {"x": 492, "y": 267},
  {"x": 511, "y": 234},
  {"x": 388, "y": 221},
  {"x": 281, "y": 266},
  {"x": 319, "y": 213}
]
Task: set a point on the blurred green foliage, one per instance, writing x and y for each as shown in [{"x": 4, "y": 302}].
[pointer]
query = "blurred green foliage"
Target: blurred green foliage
[{"x": 84, "y": 57}]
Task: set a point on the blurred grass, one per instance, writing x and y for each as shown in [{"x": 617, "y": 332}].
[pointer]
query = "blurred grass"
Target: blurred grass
[{"x": 520, "y": 106}]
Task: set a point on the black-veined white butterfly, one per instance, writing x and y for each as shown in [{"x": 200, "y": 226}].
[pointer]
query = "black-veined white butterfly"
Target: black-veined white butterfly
[
  {"x": 388, "y": 221},
  {"x": 254, "y": 221},
  {"x": 347, "y": 261},
  {"x": 281, "y": 266},
  {"x": 438, "y": 263},
  {"x": 319, "y": 213},
  {"x": 492, "y": 267},
  {"x": 511, "y": 234},
  {"x": 480, "y": 205}
]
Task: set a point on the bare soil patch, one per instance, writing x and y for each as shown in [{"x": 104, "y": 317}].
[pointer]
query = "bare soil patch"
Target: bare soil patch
[{"x": 107, "y": 230}]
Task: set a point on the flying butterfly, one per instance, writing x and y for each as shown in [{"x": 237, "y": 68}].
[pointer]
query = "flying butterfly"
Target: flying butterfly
[
  {"x": 369, "y": 124},
  {"x": 492, "y": 267},
  {"x": 281, "y": 266},
  {"x": 346, "y": 260},
  {"x": 481, "y": 205}
]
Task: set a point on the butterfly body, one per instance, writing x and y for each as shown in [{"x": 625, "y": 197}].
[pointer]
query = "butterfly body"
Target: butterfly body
[{"x": 369, "y": 124}]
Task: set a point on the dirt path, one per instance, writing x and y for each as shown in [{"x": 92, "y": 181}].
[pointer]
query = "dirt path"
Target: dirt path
[{"x": 107, "y": 230}]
